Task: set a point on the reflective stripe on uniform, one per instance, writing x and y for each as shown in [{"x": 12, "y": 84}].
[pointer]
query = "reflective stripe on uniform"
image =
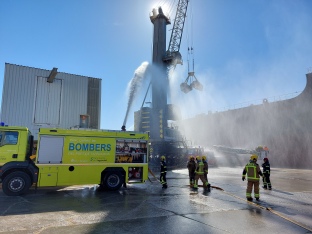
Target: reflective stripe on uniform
[
  {"x": 200, "y": 168},
  {"x": 251, "y": 169}
]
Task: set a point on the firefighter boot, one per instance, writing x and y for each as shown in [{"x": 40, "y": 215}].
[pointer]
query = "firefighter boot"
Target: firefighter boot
[
  {"x": 265, "y": 187},
  {"x": 249, "y": 198},
  {"x": 207, "y": 187}
]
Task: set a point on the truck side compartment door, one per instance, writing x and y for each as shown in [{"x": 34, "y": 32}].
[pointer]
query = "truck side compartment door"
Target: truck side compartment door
[
  {"x": 47, "y": 176},
  {"x": 50, "y": 150}
]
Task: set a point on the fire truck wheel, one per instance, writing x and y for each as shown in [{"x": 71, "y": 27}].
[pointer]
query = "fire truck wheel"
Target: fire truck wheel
[
  {"x": 16, "y": 183},
  {"x": 113, "y": 180}
]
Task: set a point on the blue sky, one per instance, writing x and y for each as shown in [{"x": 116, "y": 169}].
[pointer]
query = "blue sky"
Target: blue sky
[{"x": 244, "y": 51}]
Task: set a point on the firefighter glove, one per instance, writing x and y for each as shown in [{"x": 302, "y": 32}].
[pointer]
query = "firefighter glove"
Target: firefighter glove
[{"x": 243, "y": 178}]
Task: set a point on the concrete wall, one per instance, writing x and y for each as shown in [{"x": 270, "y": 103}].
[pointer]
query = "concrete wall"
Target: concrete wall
[{"x": 284, "y": 126}]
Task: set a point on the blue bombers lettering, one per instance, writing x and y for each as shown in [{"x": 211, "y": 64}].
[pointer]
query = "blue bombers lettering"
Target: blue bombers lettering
[{"x": 89, "y": 147}]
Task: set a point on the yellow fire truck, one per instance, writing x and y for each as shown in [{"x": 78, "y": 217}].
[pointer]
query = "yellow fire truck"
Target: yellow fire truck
[{"x": 67, "y": 157}]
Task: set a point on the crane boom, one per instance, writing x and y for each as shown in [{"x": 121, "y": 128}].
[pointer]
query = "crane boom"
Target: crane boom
[{"x": 173, "y": 56}]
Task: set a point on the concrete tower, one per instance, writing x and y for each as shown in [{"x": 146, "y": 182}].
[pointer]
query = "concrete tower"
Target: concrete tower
[{"x": 159, "y": 80}]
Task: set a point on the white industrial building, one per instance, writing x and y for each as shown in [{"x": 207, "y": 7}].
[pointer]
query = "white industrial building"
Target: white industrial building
[{"x": 37, "y": 98}]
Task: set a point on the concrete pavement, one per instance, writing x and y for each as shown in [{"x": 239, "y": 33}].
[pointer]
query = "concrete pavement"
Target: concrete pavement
[{"x": 147, "y": 208}]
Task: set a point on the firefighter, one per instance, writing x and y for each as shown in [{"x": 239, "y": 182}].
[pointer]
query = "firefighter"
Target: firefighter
[
  {"x": 191, "y": 166},
  {"x": 206, "y": 171},
  {"x": 163, "y": 172},
  {"x": 266, "y": 174},
  {"x": 253, "y": 172},
  {"x": 199, "y": 173}
]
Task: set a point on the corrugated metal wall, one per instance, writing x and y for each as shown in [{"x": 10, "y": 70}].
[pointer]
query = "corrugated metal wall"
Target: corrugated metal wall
[{"x": 28, "y": 100}]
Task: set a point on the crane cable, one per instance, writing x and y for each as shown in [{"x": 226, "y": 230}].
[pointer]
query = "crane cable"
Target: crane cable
[
  {"x": 171, "y": 7},
  {"x": 168, "y": 5},
  {"x": 190, "y": 47}
]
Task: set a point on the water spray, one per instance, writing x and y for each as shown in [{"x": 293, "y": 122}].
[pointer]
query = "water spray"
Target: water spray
[{"x": 134, "y": 87}]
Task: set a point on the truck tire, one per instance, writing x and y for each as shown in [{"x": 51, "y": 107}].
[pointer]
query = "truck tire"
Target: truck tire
[
  {"x": 113, "y": 181},
  {"x": 16, "y": 183}
]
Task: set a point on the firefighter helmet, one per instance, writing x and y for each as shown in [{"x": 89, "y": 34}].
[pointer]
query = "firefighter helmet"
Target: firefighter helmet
[
  {"x": 254, "y": 157},
  {"x": 204, "y": 157},
  {"x": 198, "y": 158},
  {"x": 265, "y": 159},
  {"x": 163, "y": 158},
  {"x": 191, "y": 157}
]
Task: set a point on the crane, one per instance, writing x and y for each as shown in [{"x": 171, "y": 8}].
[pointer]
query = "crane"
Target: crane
[
  {"x": 155, "y": 118},
  {"x": 191, "y": 81},
  {"x": 173, "y": 56}
]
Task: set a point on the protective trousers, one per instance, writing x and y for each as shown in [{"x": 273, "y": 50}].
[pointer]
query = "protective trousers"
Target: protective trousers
[
  {"x": 202, "y": 178},
  {"x": 266, "y": 181},
  {"x": 250, "y": 185},
  {"x": 163, "y": 179},
  {"x": 192, "y": 178}
]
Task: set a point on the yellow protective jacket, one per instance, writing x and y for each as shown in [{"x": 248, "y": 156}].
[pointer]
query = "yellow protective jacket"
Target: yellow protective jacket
[
  {"x": 253, "y": 171},
  {"x": 199, "y": 168}
]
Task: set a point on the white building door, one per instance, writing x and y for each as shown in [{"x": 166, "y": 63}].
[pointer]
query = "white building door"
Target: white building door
[{"x": 48, "y": 101}]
